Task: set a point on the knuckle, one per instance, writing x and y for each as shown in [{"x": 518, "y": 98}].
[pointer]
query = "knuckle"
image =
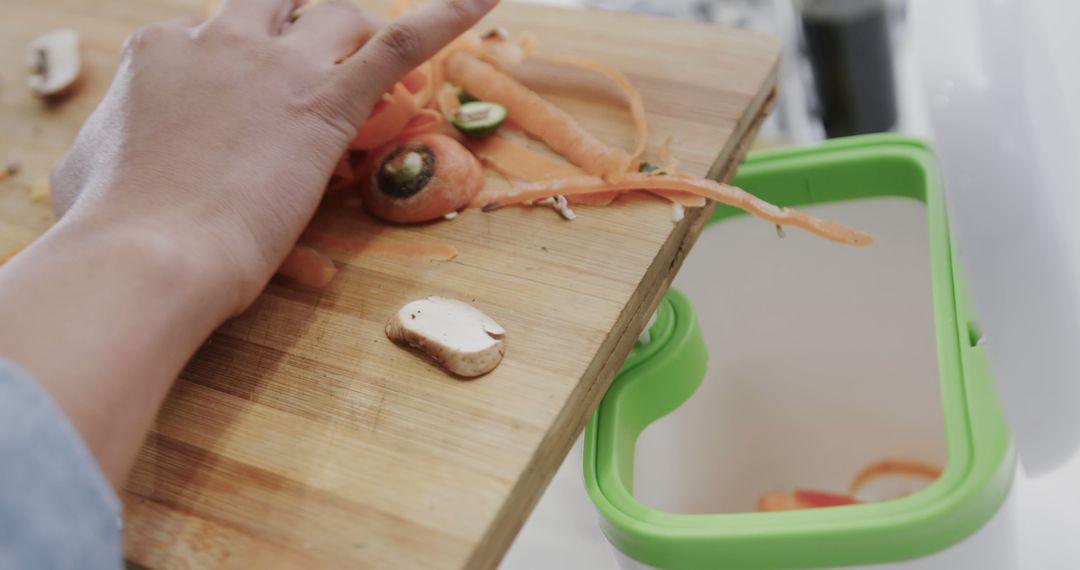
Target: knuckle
[
  {"x": 329, "y": 113},
  {"x": 141, "y": 39},
  {"x": 403, "y": 42},
  {"x": 462, "y": 9},
  {"x": 227, "y": 33}
]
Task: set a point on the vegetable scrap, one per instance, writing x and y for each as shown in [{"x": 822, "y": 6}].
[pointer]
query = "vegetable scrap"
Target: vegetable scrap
[
  {"x": 420, "y": 179},
  {"x": 456, "y": 335},
  {"x": 677, "y": 212},
  {"x": 813, "y": 499},
  {"x": 421, "y": 154},
  {"x": 308, "y": 267},
  {"x": 553, "y": 126},
  {"x": 10, "y": 169},
  {"x": 916, "y": 469},
  {"x": 479, "y": 119},
  {"x": 722, "y": 193},
  {"x": 41, "y": 191},
  {"x": 560, "y": 204},
  {"x": 466, "y": 92},
  {"x": 462, "y": 95},
  {"x": 55, "y": 63}
]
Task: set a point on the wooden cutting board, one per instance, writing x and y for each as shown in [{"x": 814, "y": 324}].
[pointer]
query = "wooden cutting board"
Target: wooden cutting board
[{"x": 299, "y": 436}]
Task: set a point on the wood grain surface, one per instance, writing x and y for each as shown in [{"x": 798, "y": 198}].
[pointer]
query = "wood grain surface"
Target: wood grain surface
[{"x": 299, "y": 436}]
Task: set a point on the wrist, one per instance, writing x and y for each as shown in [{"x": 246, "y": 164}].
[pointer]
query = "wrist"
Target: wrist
[{"x": 179, "y": 272}]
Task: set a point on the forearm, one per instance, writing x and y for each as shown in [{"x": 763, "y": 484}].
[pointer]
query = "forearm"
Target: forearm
[{"x": 105, "y": 317}]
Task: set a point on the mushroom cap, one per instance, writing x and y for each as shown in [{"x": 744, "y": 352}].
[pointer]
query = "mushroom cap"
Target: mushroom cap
[
  {"x": 55, "y": 62},
  {"x": 455, "y": 334}
]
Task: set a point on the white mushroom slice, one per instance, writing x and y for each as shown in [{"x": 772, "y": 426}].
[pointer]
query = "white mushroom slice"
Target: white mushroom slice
[
  {"x": 457, "y": 335},
  {"x": 54, "y": 62}
]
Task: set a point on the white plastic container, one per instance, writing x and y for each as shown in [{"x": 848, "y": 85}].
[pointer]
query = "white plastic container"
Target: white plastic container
[{"x": 821, "y": 360}]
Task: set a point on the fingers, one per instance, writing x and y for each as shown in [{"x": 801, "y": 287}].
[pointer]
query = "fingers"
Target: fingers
[
  {"x": 332, "y": 30},
  {"x": 407, "y": 42},
  {"x": 259, "y": 15}
]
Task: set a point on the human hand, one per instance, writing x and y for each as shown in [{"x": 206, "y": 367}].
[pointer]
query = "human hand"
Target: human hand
[{"x": 220, "y": 137}]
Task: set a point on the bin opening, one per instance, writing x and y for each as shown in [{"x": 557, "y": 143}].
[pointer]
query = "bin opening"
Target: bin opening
[{"x": 822, "y": 360}]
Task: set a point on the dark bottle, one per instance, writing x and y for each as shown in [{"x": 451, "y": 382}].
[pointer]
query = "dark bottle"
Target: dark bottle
[{"x": 851, "y": 57}]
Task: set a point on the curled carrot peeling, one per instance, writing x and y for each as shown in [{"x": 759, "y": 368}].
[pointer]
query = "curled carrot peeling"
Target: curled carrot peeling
[
  {"x": 811, "y": 499},
  {"x": 633, "y": 98},
  {"x": 518, "y": 162},
  {"x": 669, "y": 162},
  {"x": 594, "y": 199},
  {"x": 680, "y": 197},
  {"x": 504, "y": 52},
  {"x": 893, "y": 467},
  {"x": 447, "y": 102},
  {"x": 540, "y": 118},
  {"x": 386, "y": 121},
  {"x": 307, "y": 266},
  {"x": 424, "y": 122},
  {"x": 722, "y": 193}
]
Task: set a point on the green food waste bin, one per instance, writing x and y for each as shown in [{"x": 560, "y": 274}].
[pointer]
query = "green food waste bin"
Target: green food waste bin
[{"x": 789, "y": 363}]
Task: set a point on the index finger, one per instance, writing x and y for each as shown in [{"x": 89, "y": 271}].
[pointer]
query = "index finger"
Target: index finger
[{"x": 409, "y": 41}]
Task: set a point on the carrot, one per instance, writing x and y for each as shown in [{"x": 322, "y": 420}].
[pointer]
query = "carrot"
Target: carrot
[
  {"x": 387, "y": 119},
  {"x": 308, "y": 267},
  {"x": 415, "y": 80},
  {"x": 448, "y": 102},
  {"x": 802, "y": 499},
  {"x": 343, "y": 169},
  {"x": 893, "y": 467},
  {"x": 517, "y": 161},
  {"x": 633, "y": 98},
  {"x": 818, "y": 499},
  {"x": 670, "y": 163},
  {"x": 595, "y": 199},
  {"x": 420, "y": 179},
  {"x": 685, "y": 199},
  {"x": 420, "y": 82},
  {"x": 772, "y": 502},
  {"x": 538, "y": 117},
  {"x": 513, "y": 133},
  {"x": 424, "y": 122},
  {"x": 707, "y": 188},
  {"x": 500, "y": 51}
]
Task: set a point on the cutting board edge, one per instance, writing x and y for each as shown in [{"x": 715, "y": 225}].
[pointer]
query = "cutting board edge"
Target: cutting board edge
[{"x": 556, "y": 445}]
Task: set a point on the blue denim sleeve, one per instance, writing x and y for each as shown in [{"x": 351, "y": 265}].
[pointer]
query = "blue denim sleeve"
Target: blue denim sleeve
[{"x": 57, "y": 511}]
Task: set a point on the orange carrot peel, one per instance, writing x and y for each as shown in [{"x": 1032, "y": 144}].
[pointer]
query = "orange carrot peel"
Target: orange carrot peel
[
  {"x": 308, "y": 267},
  {"x": 633, "y": 98},
  {"x": 890, "y": 467},
  {"x": 540, "y": 118},
  {"x": 710, "y": 189}
]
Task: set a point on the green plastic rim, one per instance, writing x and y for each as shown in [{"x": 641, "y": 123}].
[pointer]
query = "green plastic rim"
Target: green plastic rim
[{"x": 980, "y": 456}]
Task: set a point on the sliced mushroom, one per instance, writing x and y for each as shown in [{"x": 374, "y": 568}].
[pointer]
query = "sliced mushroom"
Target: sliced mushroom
[
  {"x": 455, "y": 334},
  {"x": 54, "y": 62}
]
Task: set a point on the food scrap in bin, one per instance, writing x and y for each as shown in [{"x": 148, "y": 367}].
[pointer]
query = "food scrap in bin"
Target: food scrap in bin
[{"x": 812, "y": 499}]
